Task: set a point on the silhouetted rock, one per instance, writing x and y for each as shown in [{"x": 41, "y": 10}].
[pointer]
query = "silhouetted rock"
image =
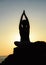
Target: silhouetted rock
[{"x": 27, "y": 55}]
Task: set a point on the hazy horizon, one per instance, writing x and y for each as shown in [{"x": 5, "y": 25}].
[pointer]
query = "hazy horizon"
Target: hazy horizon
[{"x": 10, "y": 13}]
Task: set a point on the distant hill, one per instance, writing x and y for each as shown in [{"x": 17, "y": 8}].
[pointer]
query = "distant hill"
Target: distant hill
[{"x": 2, "y": 58}]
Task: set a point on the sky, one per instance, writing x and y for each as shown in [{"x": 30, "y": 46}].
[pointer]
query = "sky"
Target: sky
[{"x": 10, "y": 14}]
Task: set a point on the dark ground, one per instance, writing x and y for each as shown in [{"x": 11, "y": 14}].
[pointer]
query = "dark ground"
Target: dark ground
[{"x": 27, "y": 54}]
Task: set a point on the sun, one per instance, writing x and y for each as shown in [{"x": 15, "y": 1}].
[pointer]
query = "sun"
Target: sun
[{"x": 16, "y": 37}]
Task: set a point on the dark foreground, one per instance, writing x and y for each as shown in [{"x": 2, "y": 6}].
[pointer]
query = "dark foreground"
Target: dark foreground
[{"x": 28, "y": 54}]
